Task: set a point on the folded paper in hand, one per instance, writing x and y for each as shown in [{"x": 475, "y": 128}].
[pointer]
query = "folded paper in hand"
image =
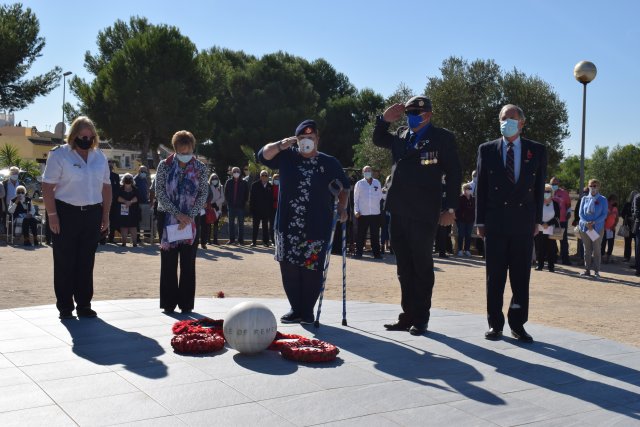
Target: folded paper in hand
[
  {"x": 548, "y": 230},
  {"x": 174, "y": 234},
  {"x": 593, "y": 234}
]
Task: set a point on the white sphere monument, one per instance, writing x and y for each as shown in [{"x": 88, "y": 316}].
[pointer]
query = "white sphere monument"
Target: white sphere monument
[{"x": 249, "y": 327}]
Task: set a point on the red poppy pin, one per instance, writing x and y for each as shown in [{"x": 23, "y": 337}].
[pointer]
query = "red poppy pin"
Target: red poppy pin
[{"x": 529, "y": 156}]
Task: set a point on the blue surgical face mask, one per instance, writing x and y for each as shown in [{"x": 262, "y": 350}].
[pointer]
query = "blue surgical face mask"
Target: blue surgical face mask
[
  {"x": 215, "y": 182},
  {"x": 547, "y": 196},
  {"x": 367, "y": 175},
  {"x": 276, "y": 182},
  {"x": 414, "y": 121},
  {"x": 554, "y": 187},
  {"x": 184, "y": 158},
  {"x": 509, "y": 127}
]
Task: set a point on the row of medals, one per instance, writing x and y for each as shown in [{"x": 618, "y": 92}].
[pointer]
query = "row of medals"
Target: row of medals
[{"x": 432, "y": 158}]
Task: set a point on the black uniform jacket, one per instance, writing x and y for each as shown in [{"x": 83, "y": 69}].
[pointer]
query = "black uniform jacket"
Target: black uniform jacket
[
  {"x": 502, "y": 206},
  {"x": 416, "y": 187}
]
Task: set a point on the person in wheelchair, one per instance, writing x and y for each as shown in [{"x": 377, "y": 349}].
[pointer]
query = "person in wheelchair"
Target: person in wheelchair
[{"x": 23, "y": 213}]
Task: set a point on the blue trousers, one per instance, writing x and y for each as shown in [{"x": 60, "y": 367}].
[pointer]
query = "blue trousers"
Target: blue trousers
[{"x": 236, "y": 215}]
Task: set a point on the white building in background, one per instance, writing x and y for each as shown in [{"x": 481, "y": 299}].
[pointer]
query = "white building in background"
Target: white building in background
[{"x": 7, "y": 119}]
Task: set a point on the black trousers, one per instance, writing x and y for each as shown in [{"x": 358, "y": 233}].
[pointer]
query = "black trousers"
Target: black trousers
[
  {"x": 564, "y": 243},
  {"x": 371, "y": 223},
  {"x": 257, "y": 220},
  {"x": 627, "y": 246},
  {"x": 443, "y": 240},
  {"x": 30, "y": 224},
  {"x": 302, "y": 287},
  {"x": 74, "y": 252},
  {"x": 205, "y": 230},
  {"x": 508, "y": 254},
  {"x": 173, "y": 291},
  {"x": 546, "y": 250},
  {"x": 412, "y": 241}
]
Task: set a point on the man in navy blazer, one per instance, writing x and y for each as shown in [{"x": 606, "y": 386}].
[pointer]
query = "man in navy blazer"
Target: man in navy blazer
[{"x": 510, "y": 192}]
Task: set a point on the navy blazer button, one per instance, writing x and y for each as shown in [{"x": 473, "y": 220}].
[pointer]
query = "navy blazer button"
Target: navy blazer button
[
  {"x": 529, "y": 189},
  {"x": 520, "y": 204},
  {"x": 496, "y": 188},
  {"x": 505, "y": 203}
]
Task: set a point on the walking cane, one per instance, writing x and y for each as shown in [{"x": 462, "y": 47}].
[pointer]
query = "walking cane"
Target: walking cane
[
  {"x": 344, "y": 273},
  {"x": 335, "y": 187}
]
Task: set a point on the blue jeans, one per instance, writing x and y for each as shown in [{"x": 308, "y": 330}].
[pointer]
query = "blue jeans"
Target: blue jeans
[
  {"x": 464, "y": 235},
  {"x": 236, "y": 214}
]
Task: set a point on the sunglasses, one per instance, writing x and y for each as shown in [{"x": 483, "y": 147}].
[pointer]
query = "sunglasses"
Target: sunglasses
[
  {"x": 20, "y": 192},
  {"x": 413, "y": 112}
]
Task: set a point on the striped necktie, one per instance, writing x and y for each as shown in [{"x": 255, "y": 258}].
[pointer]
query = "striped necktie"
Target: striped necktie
[{"x": 510, "y": 167}]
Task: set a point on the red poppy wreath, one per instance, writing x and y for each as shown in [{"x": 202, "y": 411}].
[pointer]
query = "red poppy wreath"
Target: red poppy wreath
[{"x": 197, "y": 343}]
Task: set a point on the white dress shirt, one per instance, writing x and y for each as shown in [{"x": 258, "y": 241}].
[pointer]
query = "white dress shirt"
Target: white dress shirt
[
  {"x": 367, "y": 196},
  {"x": 77, "y": 182}
]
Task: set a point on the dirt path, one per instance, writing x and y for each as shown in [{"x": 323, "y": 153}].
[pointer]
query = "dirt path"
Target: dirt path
[{"x": 608, "y": 308}]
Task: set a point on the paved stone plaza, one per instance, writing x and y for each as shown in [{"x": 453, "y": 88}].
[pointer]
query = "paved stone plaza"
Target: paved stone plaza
[{"x": 120, "y": 369}]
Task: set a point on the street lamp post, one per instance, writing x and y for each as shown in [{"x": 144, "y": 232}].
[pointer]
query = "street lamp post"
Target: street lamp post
[
  {"x": 584, "y": 72},
  {"x": 64, "y": 91}
]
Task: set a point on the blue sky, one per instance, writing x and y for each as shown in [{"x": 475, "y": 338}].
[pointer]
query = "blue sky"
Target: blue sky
[{"x": 379, "y": 44}]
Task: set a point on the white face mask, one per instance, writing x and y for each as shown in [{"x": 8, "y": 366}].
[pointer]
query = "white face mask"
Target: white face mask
[
  {"x": 184, "y": 158},
  {"x": 215, "y": 182},
  {"x": 367, "y": 175},
  {"x": 306, "y": 145},
  {"x": 236, "y": 174},
  {"x": 143, "y": 174},
  {"x": 13, "y": 177}
]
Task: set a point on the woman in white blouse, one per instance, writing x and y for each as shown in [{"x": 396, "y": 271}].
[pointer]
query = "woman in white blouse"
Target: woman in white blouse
[{"x": 77, "y": 196}]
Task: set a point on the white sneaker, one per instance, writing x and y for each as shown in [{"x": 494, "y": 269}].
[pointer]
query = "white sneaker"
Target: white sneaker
[
  {"x": 467, "y": 253},
  {"x": 459, "y": 253}
]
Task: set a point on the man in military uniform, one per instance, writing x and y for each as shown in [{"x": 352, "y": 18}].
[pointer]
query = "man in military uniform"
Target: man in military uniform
[{"x": 422, "y": 154}]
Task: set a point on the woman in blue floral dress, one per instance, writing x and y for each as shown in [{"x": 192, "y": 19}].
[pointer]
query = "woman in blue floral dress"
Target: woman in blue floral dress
[{"x": 304, "y": 216}]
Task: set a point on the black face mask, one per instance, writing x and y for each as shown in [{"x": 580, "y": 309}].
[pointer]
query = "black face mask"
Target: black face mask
[{"x": 83, "y": 143}]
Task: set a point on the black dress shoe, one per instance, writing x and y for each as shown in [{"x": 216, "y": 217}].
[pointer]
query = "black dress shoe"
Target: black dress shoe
[
  {"x": 493, "y": 334},
  {"x": 290, "y": 317},
  {"x": 418, "y": 329},
  {"x": 65, "y": 315},
  {"x": 169, "y": 310},
  {"x": 397, "y": 326},
  {"x": 521, "y": 335},
  {"x": 86, "y": 312}
]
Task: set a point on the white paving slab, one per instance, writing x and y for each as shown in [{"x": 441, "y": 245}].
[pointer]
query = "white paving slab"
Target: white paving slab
[{"x": 119, "y": 369}]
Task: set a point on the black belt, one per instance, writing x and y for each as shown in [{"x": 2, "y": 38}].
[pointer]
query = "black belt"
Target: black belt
[{"x": 79, "y": 208}]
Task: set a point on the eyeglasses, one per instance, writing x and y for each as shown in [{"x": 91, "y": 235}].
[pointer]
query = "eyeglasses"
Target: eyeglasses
[{"x": 413, "y": 112}]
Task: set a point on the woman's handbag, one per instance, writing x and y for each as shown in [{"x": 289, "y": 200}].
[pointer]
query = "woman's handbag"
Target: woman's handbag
[
  {"x": 624, "y": 231},
  {"x": 210, "y": 215}
]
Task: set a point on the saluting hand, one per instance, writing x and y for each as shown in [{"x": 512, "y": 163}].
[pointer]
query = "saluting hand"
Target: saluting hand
[
  {"x": 288, "y": 142},
  {"x": 393, "y": 113}
]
